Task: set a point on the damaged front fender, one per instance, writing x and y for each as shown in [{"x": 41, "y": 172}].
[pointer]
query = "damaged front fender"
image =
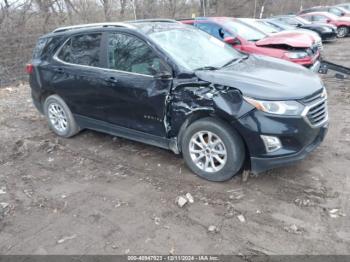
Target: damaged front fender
[{"x": 195, "y": 99}]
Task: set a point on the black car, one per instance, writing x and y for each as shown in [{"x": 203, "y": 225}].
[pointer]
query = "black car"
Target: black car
[
  {"x": 335, "y": 10},
  {"x": 346, "y": 6},
  {"x": 327, "y": 32},
  {"x": 173, "y": 86}
]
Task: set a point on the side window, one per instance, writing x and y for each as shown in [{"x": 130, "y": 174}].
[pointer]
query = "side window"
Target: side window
[
  {"x": 319, "y": 18},
  {"x": 39, "y": 48},
  {"x": 82, "y": 50},
  {"x": 131, "y": 54},
  {"x": 52, "y": 45},
  {"x": 335, "y": 11},
  {"x": 213, "y": 30},
  {"x": 308, "y": 18}
]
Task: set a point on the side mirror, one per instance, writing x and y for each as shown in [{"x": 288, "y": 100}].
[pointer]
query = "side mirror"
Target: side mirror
[
  {"x": 299, "y": 25},
  {"x": 342, "y": 14},
  {"x": 163, "y": 75},
  {"x": 231, "y": 40},
  {"x": 328, "y": 20}
]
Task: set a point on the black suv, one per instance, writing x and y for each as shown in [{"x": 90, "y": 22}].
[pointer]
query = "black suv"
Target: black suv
[
  {"x": 173, "y": 86},
  {"x": 335, "y": 10},
  {"x": 326, "y": 31}
]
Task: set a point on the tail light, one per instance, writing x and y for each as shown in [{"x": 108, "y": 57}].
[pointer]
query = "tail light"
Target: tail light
[{"x": 29, "y": 68}]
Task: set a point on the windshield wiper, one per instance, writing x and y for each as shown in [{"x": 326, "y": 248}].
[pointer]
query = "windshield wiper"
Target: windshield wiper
[
  {"x": 235, "y": 60},
  {"x": 211, "y": 68}
]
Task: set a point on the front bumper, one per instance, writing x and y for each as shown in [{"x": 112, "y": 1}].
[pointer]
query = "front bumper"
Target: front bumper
[
  {"x": 329, "y": 36},
  {"x": 298, "y": 137},
  {"x": 316, "y": 66},
  {"x": 259, "y": 165}
]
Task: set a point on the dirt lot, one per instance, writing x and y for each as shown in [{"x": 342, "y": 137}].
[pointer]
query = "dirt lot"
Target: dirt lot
[{"x": 95, "y": 194}]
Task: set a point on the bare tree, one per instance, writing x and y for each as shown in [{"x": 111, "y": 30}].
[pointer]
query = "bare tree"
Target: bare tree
[
  {"x": 23, "y": 21},
  {"x": 122, "y": 8},
  {"x": 107, "y": 4}
]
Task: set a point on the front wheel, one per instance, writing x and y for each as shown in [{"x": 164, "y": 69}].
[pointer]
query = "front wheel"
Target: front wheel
[
  {"x": 213, "y": 150},
  {"x": 343, "y": 31}
]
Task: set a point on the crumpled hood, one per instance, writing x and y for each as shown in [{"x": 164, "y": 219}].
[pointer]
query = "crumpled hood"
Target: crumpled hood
[
  {"x": 315, "y": 37},
  {"x": 290, "y": 38},
  {"x": 266, "y": 78}
]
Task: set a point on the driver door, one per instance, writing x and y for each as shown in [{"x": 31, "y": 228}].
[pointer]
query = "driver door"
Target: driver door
[{"x": 137, "y": 83}]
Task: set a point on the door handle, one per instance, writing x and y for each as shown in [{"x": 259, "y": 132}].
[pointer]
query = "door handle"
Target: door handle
[
  {"x": 112, "y": 80},
  {"x": 59, "y": 70}
]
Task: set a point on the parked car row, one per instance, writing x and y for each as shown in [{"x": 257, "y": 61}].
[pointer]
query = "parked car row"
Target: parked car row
[
  {"x": 338, "y": 16},
  {"x": 255, "y": 37}
]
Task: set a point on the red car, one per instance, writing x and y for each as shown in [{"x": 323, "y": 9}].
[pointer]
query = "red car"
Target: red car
[
  {"x": 298, "y": 48},
  {"x": 342, "y": 23}
]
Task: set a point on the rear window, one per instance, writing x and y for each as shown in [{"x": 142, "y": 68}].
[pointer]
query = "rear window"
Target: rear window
[
  {"x": 38, "y": 50},
  {"x": 82, "y": 50}
]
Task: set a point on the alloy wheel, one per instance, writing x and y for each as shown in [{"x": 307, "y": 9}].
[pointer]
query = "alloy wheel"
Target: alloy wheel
[
  {"x": 208, "y": 151},
  {"x": 57, "y": 117},
  {"x": 342, "y": 32}
]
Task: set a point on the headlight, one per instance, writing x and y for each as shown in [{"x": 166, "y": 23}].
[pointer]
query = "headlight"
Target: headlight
[
  {"x": 290, "y": 108},
  {"x": 324, "y": 93},
  {"x": 296, "y": 55}
]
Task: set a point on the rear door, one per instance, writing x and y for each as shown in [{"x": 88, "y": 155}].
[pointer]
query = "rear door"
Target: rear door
[
  {"x": 135, "y": 89},
  {"x": 76, "y": 74}
]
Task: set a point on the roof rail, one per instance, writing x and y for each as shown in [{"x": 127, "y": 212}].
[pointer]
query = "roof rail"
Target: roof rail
[
  {"x": 184, "y": 19},
  {"x": 66, "y": 28},
  {"x": 160, "y": 20}
]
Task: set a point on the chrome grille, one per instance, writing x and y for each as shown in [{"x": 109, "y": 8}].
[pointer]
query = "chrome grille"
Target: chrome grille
[
  {"x": 316, "y": 111},
  {"x": 317, "y": 114}
]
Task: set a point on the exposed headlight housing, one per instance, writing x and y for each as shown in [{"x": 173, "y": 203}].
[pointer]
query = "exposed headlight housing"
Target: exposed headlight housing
[
  {"x": 288, "y": 108},
  {"x": 296, "y": 54}
]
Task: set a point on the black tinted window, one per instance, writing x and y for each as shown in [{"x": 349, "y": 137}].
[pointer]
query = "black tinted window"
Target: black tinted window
[
  {"x": 52, "y": 45},
  {"x": 129, "y": 53},
  {"x": 82, "y": 50},
  {"x": 319, "y": 18},
  {"x": 309, "y": 18},
  {"x": 39, "y": 47},
  {"x": 214, "y": 30}
]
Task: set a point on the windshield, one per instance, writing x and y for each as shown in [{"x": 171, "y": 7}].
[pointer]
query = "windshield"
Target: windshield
[
  {"x": 302, "y": 20},
  {"x": 194, "y": 49},
  {"x": 337, "y": 11},
  {"x": 277, "y": 27},
  {"x": 280, "y": 24},
  {"x": 267, "y": 29},
  {"x": 331, "y": 16},
  {"x": 245, "y": 31},
  {"x": 345, "y": 6}
]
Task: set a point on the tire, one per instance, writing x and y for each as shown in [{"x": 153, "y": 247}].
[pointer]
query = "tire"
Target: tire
[
  {"x": 343, "y": 31},
  {"x": 59, "y": 117},
  {"x": 231, "y": 143}
]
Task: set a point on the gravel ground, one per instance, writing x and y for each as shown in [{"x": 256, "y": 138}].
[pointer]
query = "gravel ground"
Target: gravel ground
[{"x": 96, "y": 194}]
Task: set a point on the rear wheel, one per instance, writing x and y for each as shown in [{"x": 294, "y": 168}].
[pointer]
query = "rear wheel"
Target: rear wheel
[
  {"x": 343, "y": 31},
  {"x": 59, "y": 117},
  {"x": 213, "y": 150}
]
